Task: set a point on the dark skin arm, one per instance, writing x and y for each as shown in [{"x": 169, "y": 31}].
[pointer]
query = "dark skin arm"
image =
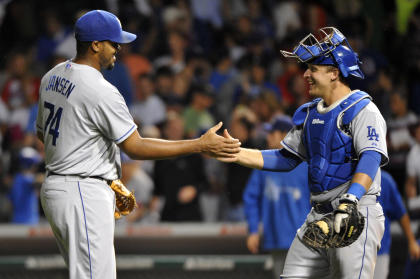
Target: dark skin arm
[
  {"x": 139, "y": 148},
  {"x": 40, "y": 136}
]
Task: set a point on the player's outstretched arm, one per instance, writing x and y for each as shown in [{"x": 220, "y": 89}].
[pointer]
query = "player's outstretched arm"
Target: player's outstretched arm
[
  {"x": 211, "y": 143},
  {"x": 251, "y": 158}
]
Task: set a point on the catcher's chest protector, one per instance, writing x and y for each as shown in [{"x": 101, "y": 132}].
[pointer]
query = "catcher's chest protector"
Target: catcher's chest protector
[{"x": 331, "y": 155}]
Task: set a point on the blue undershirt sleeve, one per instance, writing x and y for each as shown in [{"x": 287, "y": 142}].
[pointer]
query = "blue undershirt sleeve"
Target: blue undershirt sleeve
[
  {"x": 369, "y": 164},
  {"x": 279, "y": 160}
]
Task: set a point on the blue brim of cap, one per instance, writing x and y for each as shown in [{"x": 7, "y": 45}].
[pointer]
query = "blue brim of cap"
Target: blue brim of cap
[{"x": 124, "y": 38}]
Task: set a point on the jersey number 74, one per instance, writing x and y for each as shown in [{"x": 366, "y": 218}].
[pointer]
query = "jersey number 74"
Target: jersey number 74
[{"x": 53, "y": 121}]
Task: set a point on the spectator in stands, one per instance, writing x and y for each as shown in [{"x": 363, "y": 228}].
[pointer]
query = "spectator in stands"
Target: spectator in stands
[
  {"x": 164, "y": 82},
  {"x": 4, "y": 120},
  {"x": 290, "y": 84},
  {"x": 196, "y": 115},
  {"x": 254, "y": 82},
  {"x": 55, "y": 32},
  {"x": 148, "y": 109},
  {"x": 207, "y": 18},
  {"x": 398, "y": 134},
  {"x": 278, "y": 200},
  {"x": 242, "y": 126},
  {"x": 381, "y": 92},
  {"x": 223, "y": 79},
  {"x": 180, "y": 180},
  {"x": 175, "y": 59},
  {"x": 137, "y": 64},
  {"x": 286, "y": 18},
  {"x": 413, "y": 175},
  {"x": 19, "y": 84},
  {"x": 19, "y": 93},
  {"x": 139, "y": 182}
]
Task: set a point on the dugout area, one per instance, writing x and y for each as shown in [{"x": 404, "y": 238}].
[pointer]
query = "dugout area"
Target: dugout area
[
  {"x": 190, "y": 251},
  {"x": 134, "y": 266}
]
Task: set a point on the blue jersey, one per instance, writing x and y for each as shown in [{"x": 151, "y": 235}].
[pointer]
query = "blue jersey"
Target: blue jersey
[
  {"x": 24, "y": 200},
  {"x": 393, "y": 207},
  {"x": 281, "y": 201}
]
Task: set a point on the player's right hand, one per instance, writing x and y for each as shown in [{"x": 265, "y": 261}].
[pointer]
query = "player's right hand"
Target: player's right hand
[
  {"x": 414, "y": 250},
  {"x": 221, "y": 148},
  {"x": 253, "y": 243}
]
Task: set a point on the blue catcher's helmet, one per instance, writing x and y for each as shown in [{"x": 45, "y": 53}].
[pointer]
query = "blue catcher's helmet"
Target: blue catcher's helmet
[{"x": 332, "y": 49}]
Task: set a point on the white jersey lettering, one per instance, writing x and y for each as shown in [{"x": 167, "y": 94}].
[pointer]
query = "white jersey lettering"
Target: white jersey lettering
[{"x": 60, "y": 85}]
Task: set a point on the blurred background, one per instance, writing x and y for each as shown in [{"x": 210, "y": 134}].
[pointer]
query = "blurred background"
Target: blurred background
[{"x": 195, "y": 62}]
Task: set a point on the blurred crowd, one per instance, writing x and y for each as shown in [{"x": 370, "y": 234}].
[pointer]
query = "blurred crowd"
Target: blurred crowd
[{"x": 197, "y": 62}]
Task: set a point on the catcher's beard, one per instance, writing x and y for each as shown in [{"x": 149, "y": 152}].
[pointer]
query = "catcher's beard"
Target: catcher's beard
[{"x": 106, "y": 63}]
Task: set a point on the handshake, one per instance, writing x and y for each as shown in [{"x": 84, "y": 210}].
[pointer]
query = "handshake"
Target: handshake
[{"x": 223, "y": 148}]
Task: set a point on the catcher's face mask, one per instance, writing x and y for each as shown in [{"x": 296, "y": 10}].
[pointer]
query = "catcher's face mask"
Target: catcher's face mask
[{"x": 331, "y": 49}]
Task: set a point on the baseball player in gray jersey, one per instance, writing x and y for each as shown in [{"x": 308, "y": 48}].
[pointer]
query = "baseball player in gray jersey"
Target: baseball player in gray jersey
[
  {"x": 341, "y": 134},
  {"x": 83, "y": 122}
]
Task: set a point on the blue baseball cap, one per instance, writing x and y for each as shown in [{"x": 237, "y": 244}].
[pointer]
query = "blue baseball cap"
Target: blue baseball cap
[
  {"x": 99, "y": 25},
  {"x": 280, "y": 123},
  {"x": 29, "y": 157}
]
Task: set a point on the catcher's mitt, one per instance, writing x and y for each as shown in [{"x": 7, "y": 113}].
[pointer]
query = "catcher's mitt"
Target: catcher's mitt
[
  {"x": 318, "y": 233},
  {"x": 125, "y": 200},
  {"x": 349, "y": 223},
  {"x": 321, "y": 233}
]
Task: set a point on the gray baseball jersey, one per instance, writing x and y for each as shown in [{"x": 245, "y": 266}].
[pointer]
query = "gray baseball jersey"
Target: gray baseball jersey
[
  {"x": 82, "y": 118},
  {"x": 368, "y": 132}
]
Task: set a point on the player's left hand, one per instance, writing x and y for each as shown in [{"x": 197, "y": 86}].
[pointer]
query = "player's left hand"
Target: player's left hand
[
  {"x": 414, "y": 250},
  {"x": 342, "y": 212},
  {"x": 220, "y": 147}
]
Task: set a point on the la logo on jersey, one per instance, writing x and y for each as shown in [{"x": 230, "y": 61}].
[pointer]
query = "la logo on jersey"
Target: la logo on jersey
[{"x": 372, "y": 135}]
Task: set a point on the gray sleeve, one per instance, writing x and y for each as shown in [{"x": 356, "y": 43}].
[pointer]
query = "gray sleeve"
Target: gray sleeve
[
  {"x": 112, "y": 117},
  {"x": 294, "y": 144},
  {"x": 368, "y": 129}
]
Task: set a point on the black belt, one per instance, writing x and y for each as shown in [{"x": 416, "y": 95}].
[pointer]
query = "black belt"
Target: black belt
[{"x": 95, "y": 177}]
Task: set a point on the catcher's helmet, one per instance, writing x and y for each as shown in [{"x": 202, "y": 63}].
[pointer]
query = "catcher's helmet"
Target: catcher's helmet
[{"x": 332, "y": 49}]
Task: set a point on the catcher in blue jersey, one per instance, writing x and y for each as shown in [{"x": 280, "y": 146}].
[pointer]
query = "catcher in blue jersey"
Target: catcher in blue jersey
[{"x": 342, "y": 136}]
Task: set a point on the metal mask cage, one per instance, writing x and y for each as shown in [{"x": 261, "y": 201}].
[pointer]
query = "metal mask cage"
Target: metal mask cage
[{"x": 310, "y": 47}]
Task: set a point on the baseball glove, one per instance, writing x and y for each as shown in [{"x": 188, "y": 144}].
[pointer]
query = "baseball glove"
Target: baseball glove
[
  {"x": 125, "y": 200},
  {"x": 321, "y": 233},
  {"x": 349, "y": 226},
  {"x": 318, "y": 233}
]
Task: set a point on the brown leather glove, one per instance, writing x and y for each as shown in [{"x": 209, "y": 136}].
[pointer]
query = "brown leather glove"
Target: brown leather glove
[{"x": 125, "y": 200}]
